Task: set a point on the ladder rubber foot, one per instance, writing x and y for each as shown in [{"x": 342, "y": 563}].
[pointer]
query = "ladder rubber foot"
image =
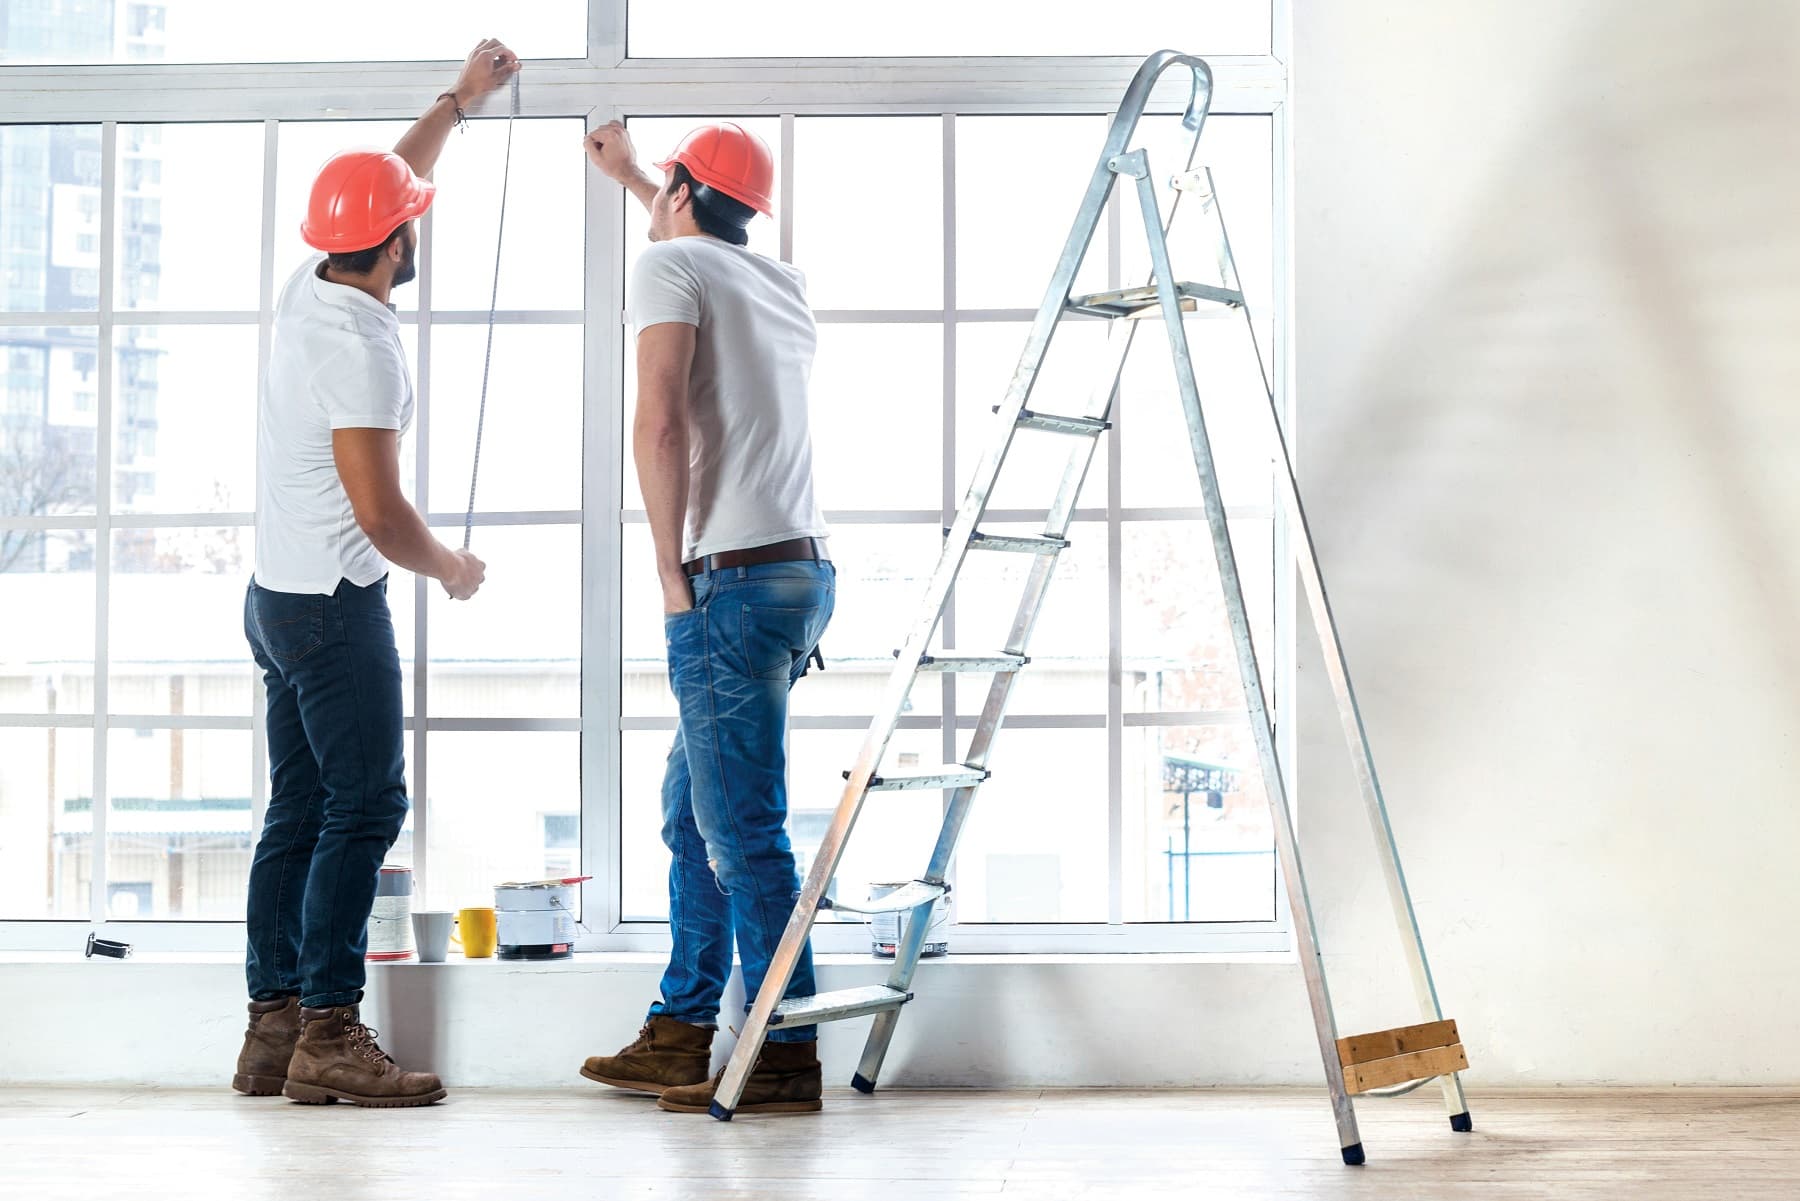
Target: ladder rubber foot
[
  {"x": 719, "y": 1111},
  {"x": 863, "y": 1084},
  {"x": 1462, "y": 1123},
  {"x": 1353, "y": 1155}
]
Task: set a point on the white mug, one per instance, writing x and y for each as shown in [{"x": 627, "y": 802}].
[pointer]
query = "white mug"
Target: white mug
[{"x": 431, "y": 934}]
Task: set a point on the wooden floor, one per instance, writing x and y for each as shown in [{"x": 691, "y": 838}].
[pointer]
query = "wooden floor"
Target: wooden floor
[{"x": 482, "y": 1145}]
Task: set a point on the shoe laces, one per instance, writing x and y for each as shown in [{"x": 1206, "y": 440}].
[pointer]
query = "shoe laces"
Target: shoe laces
[{"x": 362, "y": 1041}]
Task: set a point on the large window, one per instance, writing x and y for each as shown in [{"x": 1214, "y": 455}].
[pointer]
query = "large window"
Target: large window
[
  {"x": 149, "y": 216},
  {"x": 128, "y": 452}
]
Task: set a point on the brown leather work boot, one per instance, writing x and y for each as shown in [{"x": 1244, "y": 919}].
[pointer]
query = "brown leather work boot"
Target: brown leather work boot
[
  {"x": 337, "y": 1059},
  {"x": 784, "y": 1080},
  {"x": 262, "y": 1065},
  {"x": 667, "y": 1054}
]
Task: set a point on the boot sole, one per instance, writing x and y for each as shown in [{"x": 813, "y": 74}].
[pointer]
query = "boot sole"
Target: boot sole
[
  {"x": 315, "y": 1094},
  {"x": 636, "y": 1086},
  {"x": 258, "y": 1086},
  {"x": 765, "y": 1107}
]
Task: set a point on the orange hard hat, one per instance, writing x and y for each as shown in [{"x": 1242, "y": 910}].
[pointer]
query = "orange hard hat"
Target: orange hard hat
[
  {"x": 730, "y": 158},
  {"x": 359, "y": 198}
]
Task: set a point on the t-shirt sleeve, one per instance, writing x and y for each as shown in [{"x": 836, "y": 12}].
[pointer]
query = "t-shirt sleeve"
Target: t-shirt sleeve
[
  {"x": 362, "y": 387},
  {"x": 664, "y": 288}
]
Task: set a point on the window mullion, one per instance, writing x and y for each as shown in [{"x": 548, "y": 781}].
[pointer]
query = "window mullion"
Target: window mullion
[
  {"x": 109, "y": 140},
  {"x": 259, "y": 726},
  {"x": 947, "y": 628},
  {"x": 1115, "y": 614},
  {"x": 421, "y": 593}
]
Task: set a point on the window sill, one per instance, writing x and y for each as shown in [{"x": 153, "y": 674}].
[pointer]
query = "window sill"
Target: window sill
[{"x": 609, "y": 961}]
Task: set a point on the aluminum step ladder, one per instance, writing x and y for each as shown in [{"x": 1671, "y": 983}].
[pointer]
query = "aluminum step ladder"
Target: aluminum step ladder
[{"x": 1358, "y": 1064}]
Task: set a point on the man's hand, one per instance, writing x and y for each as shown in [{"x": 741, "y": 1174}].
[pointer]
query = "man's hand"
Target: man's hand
[
  {"x": 678, "y": 591},
  {"x": 609, "y": 148},
  {"x": 489, "y": 66},
  {"x": 465, "y": 575}
]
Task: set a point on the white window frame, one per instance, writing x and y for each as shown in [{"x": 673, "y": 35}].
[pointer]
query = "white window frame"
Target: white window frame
[{"x": 948, "y": 87}]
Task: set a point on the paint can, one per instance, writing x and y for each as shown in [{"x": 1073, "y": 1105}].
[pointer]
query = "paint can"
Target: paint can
[
  {"x": 537, "y": 921},
  {"x": 884, "y": 928},
  {"x": 390, "y": 921}
]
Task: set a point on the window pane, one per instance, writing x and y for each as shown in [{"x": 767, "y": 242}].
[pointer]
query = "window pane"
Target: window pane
[
  {"x": 1158, "y": 460},
  {"x": 1019, "y": 183},
  {"x": 987, "y": 354},
  {"x": 514, "y": 650},
  {"x": 877, "y": 417},
  {"x": 822, "y": 28},
  {"x": 301, "y": 149},
  {"x": 851, "y": 260},
  {"x": 500, "y": 806},
  {"x": 643, "y": 859},
  {"x": 216, "y": 31},
  {"x": 531, "y": 442},
  {"x": 184, "y": 419},
  {"x": 49, "y": 215},
  {"x": 541, "y": 256},
  {"x": 176, "y": 643},
  {"x": 1069, "y": 647},
  {"x": 643, "y": 655},
  {"x": 178, "y": 835},
  {"x": 1034, "y": 848},
  {"x": 47, "y": 637},
  {"x": 49, "y": 413},
  {"x": 1178, "y": 650},
  {"x": 46, "y": 823},
  {"x": 1199, "y": 844},
  {"x": 190, "y": 216}
]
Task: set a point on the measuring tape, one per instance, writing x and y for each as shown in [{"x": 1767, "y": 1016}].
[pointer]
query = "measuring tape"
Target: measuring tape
[{"x": 487, "y": 361}]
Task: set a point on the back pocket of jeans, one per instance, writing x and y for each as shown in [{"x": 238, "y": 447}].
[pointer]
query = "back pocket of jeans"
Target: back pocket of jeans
[
  {"x": 773, "y": 639},
  {"x": 292, "y": 627}
]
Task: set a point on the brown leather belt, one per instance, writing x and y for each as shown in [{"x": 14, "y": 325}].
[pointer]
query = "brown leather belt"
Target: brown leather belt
[{"x": 792, "y": 550}]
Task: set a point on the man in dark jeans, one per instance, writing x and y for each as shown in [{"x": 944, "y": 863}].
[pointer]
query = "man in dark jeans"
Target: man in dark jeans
[
  {"x": 330, "y": 521},
  {"x": 725, "y": 344}
]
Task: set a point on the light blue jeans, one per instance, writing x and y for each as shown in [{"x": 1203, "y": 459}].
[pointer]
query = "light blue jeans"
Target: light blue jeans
[{"x": 732, "y": 660}]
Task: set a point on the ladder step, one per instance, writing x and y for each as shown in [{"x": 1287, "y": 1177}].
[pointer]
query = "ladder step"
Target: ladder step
[
  {"x": 997, "y": 661},
  {"x": 902, "y": 900},
  {"x": 948, "y": 775},
  {"x": 1143, "y": 302},
  {"x": 836, "y": 1006},
  {"x": 1050, "y": 423},
  {"x": 1034, "y": 544}
]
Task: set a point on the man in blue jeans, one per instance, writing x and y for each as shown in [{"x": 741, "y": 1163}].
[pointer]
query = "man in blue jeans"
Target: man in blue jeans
[
  {"x": 331, "y": 519},
  {"x": 725, "y": 344}
]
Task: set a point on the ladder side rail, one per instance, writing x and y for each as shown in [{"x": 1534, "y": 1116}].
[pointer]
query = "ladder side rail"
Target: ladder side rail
[
  {"x": 1305, "y": 931},
  {"x": 1337, "y": 669}
]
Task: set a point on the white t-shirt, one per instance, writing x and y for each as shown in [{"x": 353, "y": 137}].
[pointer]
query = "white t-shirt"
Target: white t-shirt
[
  {"x": 749, "y": 450},
  {"x": 336, "y": 362}
]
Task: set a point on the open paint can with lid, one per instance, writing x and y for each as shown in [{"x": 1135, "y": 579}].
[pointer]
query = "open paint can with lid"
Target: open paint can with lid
[{"x": 537, "y": 918}]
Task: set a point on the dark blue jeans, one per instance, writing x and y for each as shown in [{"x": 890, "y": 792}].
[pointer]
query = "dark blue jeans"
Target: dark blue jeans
[
  {"x": 337, "y": 789},
  {"x": 732, "y": 659}
]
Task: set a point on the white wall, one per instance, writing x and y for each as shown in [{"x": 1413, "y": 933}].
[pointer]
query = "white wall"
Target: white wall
[{"x": 1548, "y": 264}]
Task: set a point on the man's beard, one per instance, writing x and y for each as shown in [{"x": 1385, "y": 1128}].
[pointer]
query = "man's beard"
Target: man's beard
[{"x": 408, "y": 269}]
